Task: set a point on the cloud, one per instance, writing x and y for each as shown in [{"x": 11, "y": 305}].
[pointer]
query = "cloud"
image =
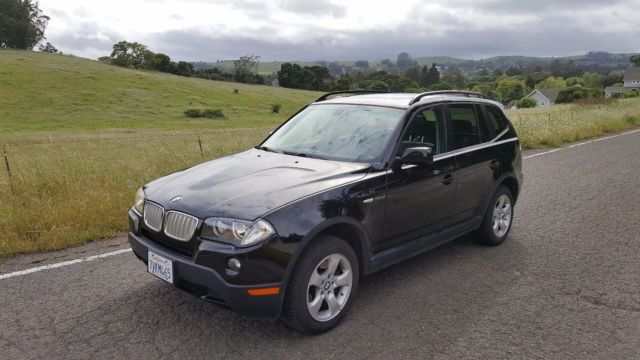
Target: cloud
[
  {"x": 283, "y": 30},
  {"x": 314, "y": 7}
]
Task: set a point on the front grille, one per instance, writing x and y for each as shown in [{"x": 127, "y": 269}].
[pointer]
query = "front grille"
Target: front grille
[
  {"x": 153, "y": 215},
  {"x": 180, "y": 226}
]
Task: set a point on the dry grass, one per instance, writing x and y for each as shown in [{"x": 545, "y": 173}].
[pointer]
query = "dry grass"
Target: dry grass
[
  {"x": 560, "y": 124},
  {"x": 65, "y": 193}
]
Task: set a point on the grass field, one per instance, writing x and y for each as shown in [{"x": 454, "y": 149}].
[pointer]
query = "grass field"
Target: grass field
[{"x": 80, "y": 137}]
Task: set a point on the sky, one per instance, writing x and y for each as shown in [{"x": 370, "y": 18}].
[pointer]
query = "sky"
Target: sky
[{"x": 309, "y": 30}]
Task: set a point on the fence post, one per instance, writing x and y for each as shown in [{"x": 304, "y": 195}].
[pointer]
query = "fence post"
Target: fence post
[
  {"x": 200, "y": 144},
  {"x": 6, "y": 163}
]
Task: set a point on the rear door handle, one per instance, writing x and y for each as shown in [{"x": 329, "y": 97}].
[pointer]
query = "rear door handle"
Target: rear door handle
[
  {"x": 494, "y": 164},
  {"x": 448, "y": 179}
]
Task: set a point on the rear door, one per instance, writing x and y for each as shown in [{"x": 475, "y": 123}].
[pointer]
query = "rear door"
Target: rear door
[
  {"x": 476, "y": 160},
  {"x": 420, "y": 199}
]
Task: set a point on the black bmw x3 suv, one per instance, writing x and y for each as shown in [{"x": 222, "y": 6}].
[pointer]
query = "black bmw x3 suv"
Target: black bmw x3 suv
[{"x": 345, "y": 187}]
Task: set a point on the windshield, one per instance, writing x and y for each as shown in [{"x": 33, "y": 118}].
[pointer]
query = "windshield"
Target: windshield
[{"x": 354, "y": 133}]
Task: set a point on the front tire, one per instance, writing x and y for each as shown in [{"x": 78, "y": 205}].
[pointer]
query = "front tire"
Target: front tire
[
  {"x": 322, "y": 286},
  {"x": 498, "y": 218}
]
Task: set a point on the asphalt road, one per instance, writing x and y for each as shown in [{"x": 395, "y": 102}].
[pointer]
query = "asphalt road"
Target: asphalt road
[{"x": 566, "y": 284}]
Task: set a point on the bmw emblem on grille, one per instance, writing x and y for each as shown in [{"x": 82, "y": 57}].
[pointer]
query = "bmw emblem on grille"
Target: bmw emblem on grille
[{"x": 176, "y": 199}]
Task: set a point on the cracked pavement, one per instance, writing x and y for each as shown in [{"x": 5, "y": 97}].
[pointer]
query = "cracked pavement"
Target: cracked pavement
[{"x": 566, "y": 284}]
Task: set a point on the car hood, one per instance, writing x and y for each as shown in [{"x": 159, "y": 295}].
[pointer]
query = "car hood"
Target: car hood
[{"x": 249, "y": 184}]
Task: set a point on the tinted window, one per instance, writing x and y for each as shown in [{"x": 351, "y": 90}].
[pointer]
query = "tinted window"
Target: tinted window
[
  {"x": 341, "y": 132},
  {"x": 497, "y": 121},
  {"x": 466, "y": 131},
  {"x": 425, "y": 129}
]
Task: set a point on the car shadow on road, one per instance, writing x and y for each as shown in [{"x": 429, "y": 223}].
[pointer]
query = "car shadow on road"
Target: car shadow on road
[{"x": 425, "y": 303}]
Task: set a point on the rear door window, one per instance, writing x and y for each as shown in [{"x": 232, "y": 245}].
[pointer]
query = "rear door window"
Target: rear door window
[{"x": 465, "y": 126}]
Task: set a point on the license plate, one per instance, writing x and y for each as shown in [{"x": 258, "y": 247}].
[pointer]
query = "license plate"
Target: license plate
[{"x": 160, "y": 267}]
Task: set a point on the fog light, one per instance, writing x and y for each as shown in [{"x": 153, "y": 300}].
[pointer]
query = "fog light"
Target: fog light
[{"x": 234, "y": 264}]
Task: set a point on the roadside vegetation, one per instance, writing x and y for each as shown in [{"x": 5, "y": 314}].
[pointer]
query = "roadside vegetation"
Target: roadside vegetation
[{"x": 79, "y": 137}]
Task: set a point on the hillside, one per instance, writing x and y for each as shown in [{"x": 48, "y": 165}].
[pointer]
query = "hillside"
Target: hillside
[{"x": 43, "y": 92}]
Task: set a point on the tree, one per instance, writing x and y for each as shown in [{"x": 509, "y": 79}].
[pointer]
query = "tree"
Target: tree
[
  {"x": 593, "y": 80},
  {"x": 513, "y": 71},
  {"x": 509, "y": 89},
  {"x": 295, "y": 76},
  {"x": 635, "y": 60},
  {"x": 413, "y": 73},
  {"x": 246, "y": 68},
  {"x": 525, "y": 103},
  {"x": 455, "y": 78},
  {"x": 362, "y": 64},
  {"x": 577, "y": 93},
  {"x": 22, "y": 24},
  {"x": 335, "y": 69},
  {"x": 48, "y": 48},
  {"x": 132, "y": 54},
  {"x": 552, "y": 83},
  {"x": 431, "y": 77},
  {"x": 530, "y": 82},
  {"x": 184, "y": 68},
  {"x": 575, "y": 81},
  {"x": 404, "y": 61}
]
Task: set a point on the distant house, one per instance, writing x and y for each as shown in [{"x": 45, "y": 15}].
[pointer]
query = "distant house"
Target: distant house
[
  {"x": 544, "y": 97},
  {"x": 614, "y": 91},
  {"x": 632, "y": 78},
  {"x": 631, "y": 83}
]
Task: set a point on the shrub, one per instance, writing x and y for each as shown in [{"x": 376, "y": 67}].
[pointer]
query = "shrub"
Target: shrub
[
  {"x": 193, "y": 113},
  {"x": 576, "y": 93},
  {"x": 207, "y": 113},
  {"x": 275, "y": 108},
  {"x": 630, "y": 94},
  {"x": 235, "y": 91},
  {"x": 526, "y": 103},
  {"x": 213, "y": 114}
]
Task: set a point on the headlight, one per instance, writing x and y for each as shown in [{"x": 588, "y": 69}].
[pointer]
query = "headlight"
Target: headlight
[
  {"x": 138, "y": 205},
  {"x": 236, "y": 232}
]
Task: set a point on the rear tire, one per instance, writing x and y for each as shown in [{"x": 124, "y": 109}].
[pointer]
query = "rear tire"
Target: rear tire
[
  {"x": 497, "y": 219},
  {"x": 322, "y": 286}
]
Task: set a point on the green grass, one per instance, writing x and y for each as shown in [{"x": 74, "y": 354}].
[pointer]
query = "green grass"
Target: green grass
[
  {"x": 81, "y": 137},
  {"x": 43, "y": 92}
]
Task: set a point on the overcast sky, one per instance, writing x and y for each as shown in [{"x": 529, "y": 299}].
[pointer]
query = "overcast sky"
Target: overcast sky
[{"x": 209, "y": 30}]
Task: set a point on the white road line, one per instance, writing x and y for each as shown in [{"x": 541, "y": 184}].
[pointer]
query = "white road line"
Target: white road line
[
  {"x": 61, "y": 264},
  {"x": 117, "y": 252},
  {"x": 581, "y": 143}
]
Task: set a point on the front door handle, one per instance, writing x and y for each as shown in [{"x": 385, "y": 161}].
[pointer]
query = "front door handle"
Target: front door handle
[{"x": 448, "y": 179}]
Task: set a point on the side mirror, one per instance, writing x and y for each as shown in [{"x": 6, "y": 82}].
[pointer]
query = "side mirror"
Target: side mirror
[{"x": 417, "y": 156}]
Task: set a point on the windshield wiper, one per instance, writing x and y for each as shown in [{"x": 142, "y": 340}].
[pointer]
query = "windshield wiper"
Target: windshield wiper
[
  {"x": 301, "y": 154},
  {"x": 266, "y": 148}
]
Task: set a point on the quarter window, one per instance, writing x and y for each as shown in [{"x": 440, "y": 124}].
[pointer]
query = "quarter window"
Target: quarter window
[
  {"x": 497, "y": 121},
  {"x": 464, "y": 121}
]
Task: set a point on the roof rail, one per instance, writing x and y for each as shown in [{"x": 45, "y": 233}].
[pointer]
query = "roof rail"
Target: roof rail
[
  {"x": 449, "y": 92},
  {"x": 325, "y": 96}
]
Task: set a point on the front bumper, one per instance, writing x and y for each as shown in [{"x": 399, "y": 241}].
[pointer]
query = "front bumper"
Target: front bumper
[{"x": 206, "y": 282}]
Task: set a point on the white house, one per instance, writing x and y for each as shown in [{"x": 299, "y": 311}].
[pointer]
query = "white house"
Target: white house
[
  {"x": 631, "y": 83},
  {"x": 544, "y": 97}
]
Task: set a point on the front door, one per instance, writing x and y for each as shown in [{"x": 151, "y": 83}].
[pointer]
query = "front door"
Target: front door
[{"x": 420, "y": 199}]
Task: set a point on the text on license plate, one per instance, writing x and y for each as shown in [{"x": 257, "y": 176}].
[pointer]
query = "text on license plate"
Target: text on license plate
[{"x": 160, "y": 267}]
